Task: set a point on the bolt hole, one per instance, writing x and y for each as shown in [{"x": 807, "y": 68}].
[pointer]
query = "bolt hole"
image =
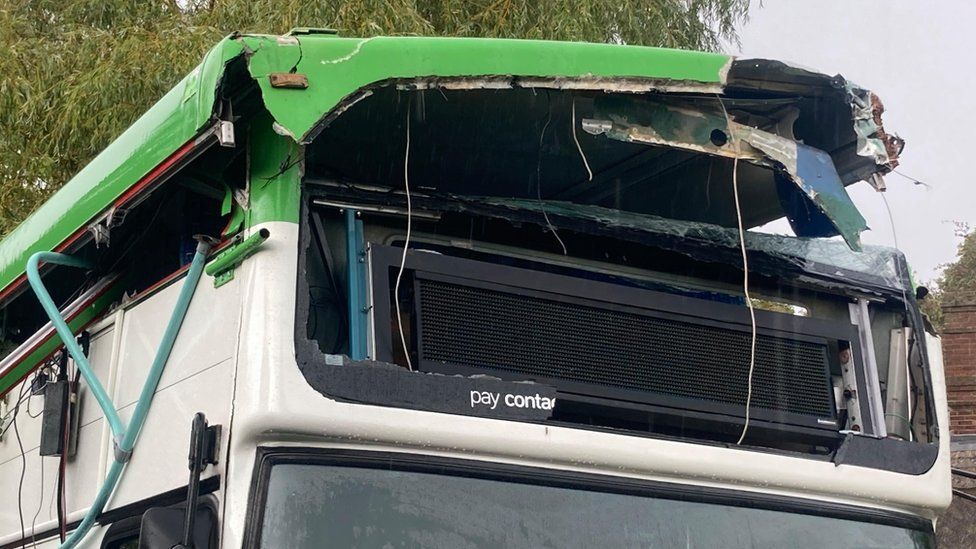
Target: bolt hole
[{"x": 719, "y": 138}]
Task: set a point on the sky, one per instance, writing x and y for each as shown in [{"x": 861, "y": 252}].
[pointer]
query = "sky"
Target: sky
[{"x": 917, "y": 57}]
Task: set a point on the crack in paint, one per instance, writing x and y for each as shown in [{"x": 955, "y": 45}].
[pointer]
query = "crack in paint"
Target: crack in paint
[{"x": 350, "y": 55}]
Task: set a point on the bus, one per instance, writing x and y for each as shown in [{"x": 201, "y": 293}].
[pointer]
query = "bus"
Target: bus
[{"x": 443, "y": 292}]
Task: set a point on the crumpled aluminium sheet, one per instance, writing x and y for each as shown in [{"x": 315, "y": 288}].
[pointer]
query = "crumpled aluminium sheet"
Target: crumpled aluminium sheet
[{"x": 692, "y": 127}]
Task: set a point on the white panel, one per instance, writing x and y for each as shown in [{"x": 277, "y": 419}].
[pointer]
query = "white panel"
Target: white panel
[
  {"x": 34, "y": 500},
  {"x": 198, "y": 377},
  {"x": 83, "y": 477},
  {"x": 86, "y": 469},
  {"x": 208, "y": 336},
  {"x": 30, "y": 428},
  {"x": 100, "y": 357},
  {"x": 159, "y": 461}
]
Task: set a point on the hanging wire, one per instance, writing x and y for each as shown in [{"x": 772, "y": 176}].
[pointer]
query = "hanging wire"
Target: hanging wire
[
  {"x": 406, "y": 244},
  {"x": 23, "y": 461},
  {"x": 745, "y": 268},
  {"x": 538, "y": 177},
  {"x": 894, "y": 236},
  {"x": 912, "y": 179},
  {"x": 586, "y": 164},
  {"x": 40, "y": 503}
]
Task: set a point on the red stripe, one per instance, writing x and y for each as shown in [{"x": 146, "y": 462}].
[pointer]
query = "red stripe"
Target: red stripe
[
  {"x": 133, "y": 191},
  {"x": 155, "y": 173}
]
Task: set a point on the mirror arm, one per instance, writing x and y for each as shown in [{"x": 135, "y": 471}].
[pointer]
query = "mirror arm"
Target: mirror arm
[{"x": 204, "y": 448}]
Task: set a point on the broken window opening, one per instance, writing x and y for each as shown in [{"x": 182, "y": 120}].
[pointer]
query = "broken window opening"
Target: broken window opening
[{"x": 496, "y": 175}]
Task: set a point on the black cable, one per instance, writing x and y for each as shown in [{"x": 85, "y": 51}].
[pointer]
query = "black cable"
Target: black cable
[
  {"x": 23, "y": 465},
  {"x": 913, "y": 413},
  {"x": 10, "y": 414},
  {"x": 40, "y": 502},
  {"x": 285, "y": 165},
  {"x": 62, "y": 464},
  {"x": 912, "y": 179},
  {"x": 59, "y": 495},
  {"x": 30, "y": 394},
  {"x": 62, "y": 483}
]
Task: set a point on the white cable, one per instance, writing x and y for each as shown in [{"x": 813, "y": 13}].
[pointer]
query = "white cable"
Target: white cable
[
  {"x": 904, "y": 300},
  {"x": 406, "y": 244},
  {"x": 745, "y": 290},
  {"x": 891, "y": 220},
  {"x": 538, "y": 185},
  {"x": 745, "y": 268},
  {"x": 586, "y": 164},
  {"x": 894, "y": 236}
]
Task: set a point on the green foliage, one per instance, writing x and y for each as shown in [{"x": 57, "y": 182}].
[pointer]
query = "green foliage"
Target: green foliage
[
  {"x": 932, "y": 308},
  {"x": 76, "y": 73},
  {"x": 958, "y": 282},
  {"x": 957, "y": 285}
]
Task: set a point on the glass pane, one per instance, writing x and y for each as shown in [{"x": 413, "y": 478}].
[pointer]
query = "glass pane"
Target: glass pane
[{"x": 320, "y": 506}]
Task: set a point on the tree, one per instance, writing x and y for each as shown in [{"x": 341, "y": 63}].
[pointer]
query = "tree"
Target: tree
[
  {"x": 75, "y": 73},
  {"x": 958, "y": 281}
]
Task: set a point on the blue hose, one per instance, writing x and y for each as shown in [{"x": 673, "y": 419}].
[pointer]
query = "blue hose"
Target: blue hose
[
  {"x": 125, "y": 438},
  {"x": 64, "y": 332}
]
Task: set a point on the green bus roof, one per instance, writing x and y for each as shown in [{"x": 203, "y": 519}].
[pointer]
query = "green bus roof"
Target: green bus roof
[{"x": 335, "y": 68}]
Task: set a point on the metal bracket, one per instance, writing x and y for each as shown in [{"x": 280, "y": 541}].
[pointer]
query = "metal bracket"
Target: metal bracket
[
  {"x": 4, "y": 411},
  {"x": 121, "y": 456},
  {"x": 225, "y": 133},
  {"x": 101, "y": 229},
  {"x": 223, "y": 278},
  {"x": 878, "y": 182},
  {"x": 222, "y": 267}
]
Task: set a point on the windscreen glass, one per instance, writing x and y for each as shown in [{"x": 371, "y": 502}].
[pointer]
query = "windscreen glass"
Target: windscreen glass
[{"x": 326, "y": 506}]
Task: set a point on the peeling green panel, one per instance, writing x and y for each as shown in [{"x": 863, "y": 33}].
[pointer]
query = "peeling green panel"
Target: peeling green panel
[
  {"x": 275, "y": 176},
  {"x": 818, "y": 179}
]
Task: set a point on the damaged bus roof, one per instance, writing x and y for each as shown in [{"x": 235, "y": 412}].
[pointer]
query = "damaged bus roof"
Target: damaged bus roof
[{"x": 308, "y": 77}]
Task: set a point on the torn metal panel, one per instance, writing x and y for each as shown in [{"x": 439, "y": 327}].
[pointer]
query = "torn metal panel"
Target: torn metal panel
[
  {"x": 706, "y": 128},
  {"x": 872, "y": 139},
  {"x": 863, "y": 146},
  {"x": 658, "y": 122},
  {"x": 812, "y": 170}
]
